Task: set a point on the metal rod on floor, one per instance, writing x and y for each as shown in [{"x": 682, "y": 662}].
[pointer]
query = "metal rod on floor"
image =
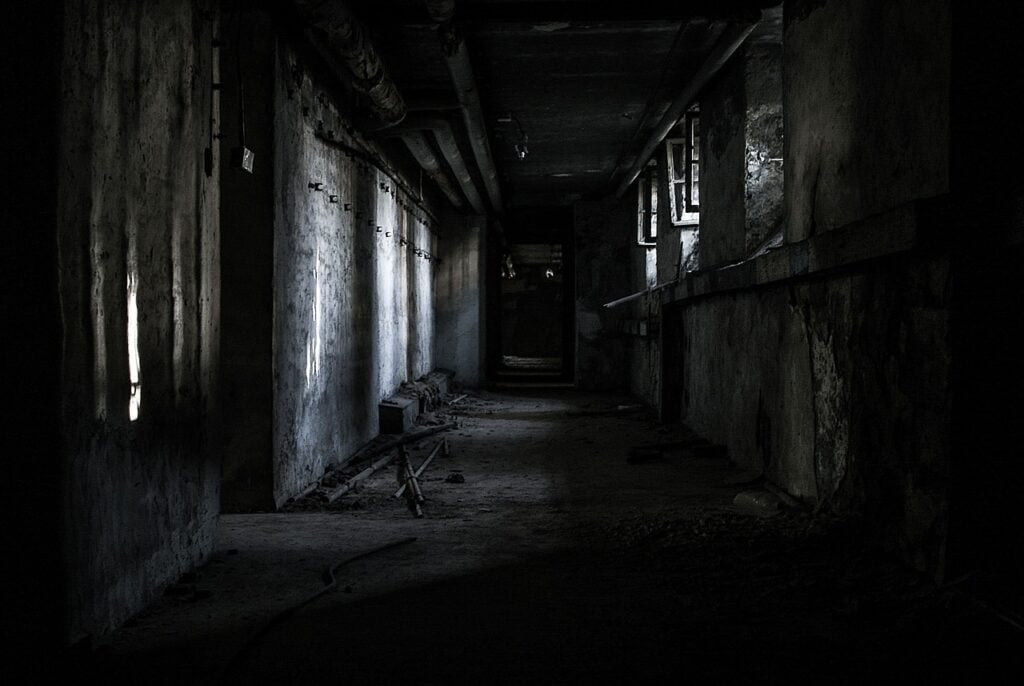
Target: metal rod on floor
[
  {"x": 354, "y": 481},
  {"x": 330, "y": 583},
  {"x": 414, "y": 481},
  {"x": 443, "y": 443}
]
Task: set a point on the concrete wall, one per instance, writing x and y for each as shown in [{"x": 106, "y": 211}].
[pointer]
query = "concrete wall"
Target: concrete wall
[
  {"x": 723, "y": 167},
  {"x": 742, "y": 149},
  {"x": 866, "y": 108},
  {"x": 459, "y": 300},
  {"x": 33, "y": 621},
  {"x": 835, "y": 384},
  {"x": 605, "y": 248},
  {"x": 353, "y": 307},
  {"x": 838, "y": 390},
  {"x": 136, "y": 212},
  {"x": 764, "y": 144}
]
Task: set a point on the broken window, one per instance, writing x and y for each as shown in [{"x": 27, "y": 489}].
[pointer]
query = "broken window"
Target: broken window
[
  {"x": 647, "y": 206},
  {"x": 683, "y": 158}
]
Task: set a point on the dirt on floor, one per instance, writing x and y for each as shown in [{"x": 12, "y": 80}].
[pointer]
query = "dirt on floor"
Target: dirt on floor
[{"x": 552, "y": 551}]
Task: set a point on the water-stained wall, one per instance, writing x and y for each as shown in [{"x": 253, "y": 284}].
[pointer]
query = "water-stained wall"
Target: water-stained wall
[
  {"x": 138, "y": 243},
  {"x": 352, "y": 282},
  {"x": 459, "y": 299},
  {"x": 826, "y": 364},
  {"x": 866, "y": 108}
]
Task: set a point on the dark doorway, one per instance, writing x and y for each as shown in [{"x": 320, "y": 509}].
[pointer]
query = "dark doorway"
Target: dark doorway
[
  {"x": 532, "y": 308},
  {"x": 534, "y": 304}
]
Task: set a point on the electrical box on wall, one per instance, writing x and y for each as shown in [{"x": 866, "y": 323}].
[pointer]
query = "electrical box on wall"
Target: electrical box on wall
[{"x": 242, "y": 158}]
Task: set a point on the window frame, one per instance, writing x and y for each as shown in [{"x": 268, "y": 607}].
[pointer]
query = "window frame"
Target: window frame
[
  {"x": 647, "y": 207},
  {"x": 688, "y": 215}
]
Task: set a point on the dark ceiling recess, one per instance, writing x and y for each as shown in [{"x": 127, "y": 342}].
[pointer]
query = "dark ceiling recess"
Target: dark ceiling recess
[{"x": 589, "y": 84}]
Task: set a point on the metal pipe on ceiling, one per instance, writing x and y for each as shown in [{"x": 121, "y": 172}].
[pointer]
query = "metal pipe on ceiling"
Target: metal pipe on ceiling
[
  {"x": 425, "y": 157},
  {"x": 444, "y": 134},
  {"x": 730, "y": 41},
  {"x": 461, "y": 71},
  {"x": 351, "y": 41}
]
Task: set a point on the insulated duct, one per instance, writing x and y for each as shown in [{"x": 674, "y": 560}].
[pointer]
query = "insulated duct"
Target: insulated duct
[
  {"x": 461, "y": 71},
  {"x": 424, "y": 155},
  {"x": 445, "y": 136},
  {"x": 351, "y": 42}
]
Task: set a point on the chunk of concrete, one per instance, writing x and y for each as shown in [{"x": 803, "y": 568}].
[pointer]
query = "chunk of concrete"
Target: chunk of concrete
[{"x": 397, "y": 414}]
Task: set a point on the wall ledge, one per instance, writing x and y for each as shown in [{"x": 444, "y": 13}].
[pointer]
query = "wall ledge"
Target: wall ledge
[{"x": 916, "y": 225}]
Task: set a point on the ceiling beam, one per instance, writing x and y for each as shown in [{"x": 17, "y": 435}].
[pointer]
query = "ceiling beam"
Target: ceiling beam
[
  {"x": 456, "y": 56},
  {"x": 730, "y": 41},
  {"x": 424, "y": 155},
  {"x": 444, "y": 134}
]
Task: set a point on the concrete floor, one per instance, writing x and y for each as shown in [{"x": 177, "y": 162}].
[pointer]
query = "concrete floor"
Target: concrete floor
[{"x": 554, "y": 562}]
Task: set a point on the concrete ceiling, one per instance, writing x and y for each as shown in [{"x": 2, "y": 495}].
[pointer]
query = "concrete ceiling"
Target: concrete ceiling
[{"x": 586, "y": 82}]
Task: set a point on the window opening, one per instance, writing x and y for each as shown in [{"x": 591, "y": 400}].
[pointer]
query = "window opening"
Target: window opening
[
  {"x": 647, "y": 207},
  {"x": 683, "y": 158}
]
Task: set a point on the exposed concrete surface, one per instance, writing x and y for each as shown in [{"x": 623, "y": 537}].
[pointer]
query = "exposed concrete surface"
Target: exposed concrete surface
[
  {"x": 835, "y": 387},
  {"x": 742, "y": 148},
  {"x": 353, "y": 305},
  {"x": 722, "y": 170},
  {"x": 763, "y": 142},
  {"x": 866, "y": 108},
  {"x": 136, "y": 208},
  {"x": 838, "y": 391}
]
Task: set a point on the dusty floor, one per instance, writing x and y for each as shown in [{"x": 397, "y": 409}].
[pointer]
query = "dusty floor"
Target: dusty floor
[{"x": 555, "y": 561}]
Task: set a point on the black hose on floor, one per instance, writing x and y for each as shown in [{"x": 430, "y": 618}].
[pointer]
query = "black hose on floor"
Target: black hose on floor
[{"x": 330, "y": 583}]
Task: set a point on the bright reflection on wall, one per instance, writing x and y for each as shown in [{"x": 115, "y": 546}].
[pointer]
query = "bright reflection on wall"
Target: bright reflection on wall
[
  {"x": 134, "y": 372},
  {"x": 313, "y": 344}
]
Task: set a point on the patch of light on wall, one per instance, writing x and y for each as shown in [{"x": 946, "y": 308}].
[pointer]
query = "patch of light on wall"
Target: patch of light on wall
[
  {"x": 134, "y": 371},
  {"x": 313, "y": 345}
]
